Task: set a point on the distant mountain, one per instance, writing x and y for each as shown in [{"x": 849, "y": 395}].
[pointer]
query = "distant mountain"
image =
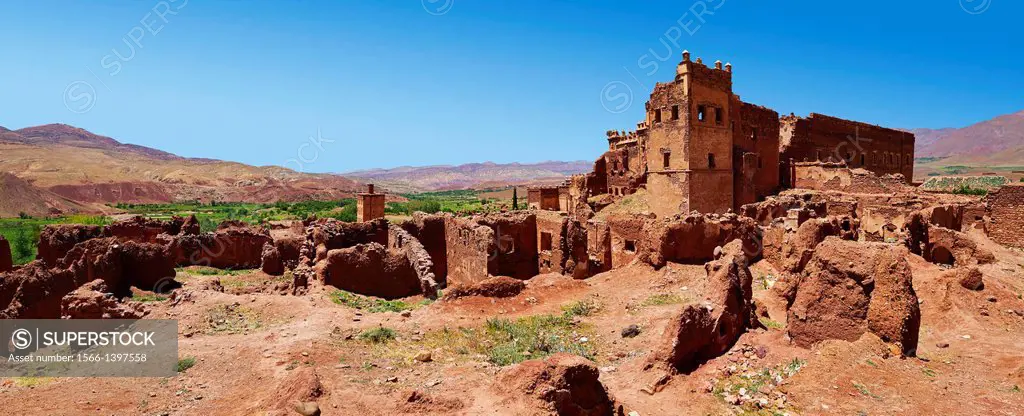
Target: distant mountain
[
  {"x": 90, "y": 169},
  {"x": 17, "y": 196},
  {"x": 471, "y": 176},
  {"x": 995, "y": 142}
]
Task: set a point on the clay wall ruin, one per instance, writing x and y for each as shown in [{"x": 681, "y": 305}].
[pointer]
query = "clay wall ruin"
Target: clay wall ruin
[
  {"x": 430, "y": 231},
  {"x": 1006, "y": 213},
  {"x": 551, "y": 244},
  {"x": 515, "y": 236},
  {"x": 821, "y": 138},
  {"x": 468, "y": 247},
  {"x": 545, "y": 198},
  {"x": 755, "y": 152},
  {"x": 6, "y": 261}
]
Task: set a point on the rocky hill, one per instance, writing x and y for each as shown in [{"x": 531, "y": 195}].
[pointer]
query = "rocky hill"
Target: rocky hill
[
  {"x": 995, "y": 142},
  {"x": 80, "y": 166}
]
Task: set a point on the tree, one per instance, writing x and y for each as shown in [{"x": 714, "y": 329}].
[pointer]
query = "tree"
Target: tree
[{"x": 515, "y": 199}]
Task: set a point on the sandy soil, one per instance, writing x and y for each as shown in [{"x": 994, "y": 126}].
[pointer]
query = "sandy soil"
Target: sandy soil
[{"x": 258, "y": 353}]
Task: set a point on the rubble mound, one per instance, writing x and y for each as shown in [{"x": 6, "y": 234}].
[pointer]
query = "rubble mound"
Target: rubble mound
[
  {"x": 765, "y": 212},
  {"x": 562, "y": 384},
  {"x": 849, "y": 288},
  {"x": 94, "y": 301},
  {"x": 495, "y": 287},
  {"x": 55, "y": 241},
  {"x": 706, "y": 330}
]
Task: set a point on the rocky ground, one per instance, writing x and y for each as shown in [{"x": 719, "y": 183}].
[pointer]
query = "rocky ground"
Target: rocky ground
[{"x": 257, "y": 351}]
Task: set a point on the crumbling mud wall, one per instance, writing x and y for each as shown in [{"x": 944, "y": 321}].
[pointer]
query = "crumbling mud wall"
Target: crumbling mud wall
[
  {"x": 146, "y": 230},
  {"x": 825, "y": 176},
  {"x": 765, "y": 212},
  {"x": 469, "y": 247},
  {"x": 944, "y": 246},
  {"x": 821, "y": 138},
  {"x": 55, "y": 241},
  {"x": 331, "y": 234},
  {"x": 91, "y": 301},
  {"x": 599, "y": 246},
  {"x": 6, "y": 260},
  {"x": 790, "y": 250},
  {"x": 551, "y": 233},
  {"x": 227, "y": 248},
  {"x": 369, "y": 269},
  {"x": 36, "y": 290},
  {"x": 430, "y": 231},
  {"x": 405, "y": 244},
  {"x": 1006, "y": 211},
  {"x": 562, "y": 384},
  {"x": 516, "y": 244},
  {"x": 849, "y": 288},
  {"x": 693, "y": 239}
]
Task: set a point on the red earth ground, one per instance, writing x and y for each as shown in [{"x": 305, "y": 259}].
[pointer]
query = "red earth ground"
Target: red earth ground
[{"x": 258, "y": 352}]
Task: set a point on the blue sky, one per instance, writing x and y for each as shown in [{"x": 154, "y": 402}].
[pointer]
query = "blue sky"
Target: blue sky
[{"x": 422, "y": 82}]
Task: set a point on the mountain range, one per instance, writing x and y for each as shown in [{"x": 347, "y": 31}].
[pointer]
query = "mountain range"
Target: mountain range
[
  {"x": 61, "y": 168},
  {"x": 471, "y": 176}
]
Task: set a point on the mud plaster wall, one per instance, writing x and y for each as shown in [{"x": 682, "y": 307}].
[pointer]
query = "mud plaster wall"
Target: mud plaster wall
[
  {"x": 369, "y": 207},
  {"x": 1006, "y": 211},
  {"x": 823, "y": 138},
  {"x": 756, "y": 152},
  {"x": 405, "y": 244},
  {"x": 516, "y": 244},
  {"x": 626, "y": 233},
  {"x": 369, "y": 269},
  {"x": 599, "y": 246},
  {"x": 468, "y": 246},
  {"x": 430, "y": 231},
  {"x": 551, "y": 233}
]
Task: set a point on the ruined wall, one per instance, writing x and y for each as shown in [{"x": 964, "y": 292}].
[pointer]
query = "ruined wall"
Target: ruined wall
[
  {"x": 599, "y": 246},
  {"x": 544, "y": 198},
  {"x": 1006, "y": 211},
  {"x": 55, "y": 241},
  {"x": 230, "y": 248},
  {"x": 430, "y": 231},
  {"x": 404, "y": 244},
  {"x": 624, "y": 162},
  {"x": 693, "y": 239},
  {"x": 755, "y": 152},
  {"x": 861, "y": 145},
  {"x": 369, "y": 269},
  {"x": 468, "y": 247},
  {"x": 551, "y": 244},
  {"x": 515, "y": 236},
  {"x": 626, "y": 233},
  {"x": 837, "y": 177}
]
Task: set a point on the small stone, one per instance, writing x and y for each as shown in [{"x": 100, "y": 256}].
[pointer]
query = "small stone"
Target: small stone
[
  {"x": 151, "y": 394},
  {"x": 984, "y": 312},
  {"x": 761, "y": 351},
  {"x": 423, "y": 356},
  {"x": 305, "y": 354},
  {"x": 432, "y": 383},
  {"x": 406, "y": 313},
  {"x": 991, "y": 299},
  {"x": 965, "y": 336},
  {"x": 198, "y": 397},
  {"x": 630, "y": 331},
  {"x": 308, "y": 409},
  {"x": 392, "y": 379},
  {"x": 732, "y": 399},
  {"x": 942, "y": 345}
]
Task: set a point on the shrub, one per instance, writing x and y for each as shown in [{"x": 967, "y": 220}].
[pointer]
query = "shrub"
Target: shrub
[
  {"x": 185, "y": 364},
  {"x": 379, "y": 335}
]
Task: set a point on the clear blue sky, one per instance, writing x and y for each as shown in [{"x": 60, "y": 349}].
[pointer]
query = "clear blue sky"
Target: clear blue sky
[{"x": 393, "y": 84}]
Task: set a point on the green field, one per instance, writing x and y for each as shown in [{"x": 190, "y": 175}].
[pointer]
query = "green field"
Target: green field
[{"x": 23, "y": 232}]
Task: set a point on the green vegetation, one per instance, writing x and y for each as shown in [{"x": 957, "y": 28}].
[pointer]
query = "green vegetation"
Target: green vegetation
[
  {"x": 922, "y": 160},
  {"x": 374, "y": 305},
  {"x": 458, "y": 202},
  {"x": 379, "y": 335},
  {"x": 965, "y": 189},
  {"x": 955, "y": 169},
  {"x": 964, "y": 185},
  {"x": 212, "y": 214},
  {"x": 864, "y": 390},
  {"x": 210, "y": 271},
  {"x": 770, "y": 324},
  {"x": 149, "y": 297},
  {"x": 510, "y": 341},
  {"x": 754, "y": 381},
  {"x": 662, "y": 299},
  {"x": 23, "y": 232},
  {"x": 185, "y": 364}
]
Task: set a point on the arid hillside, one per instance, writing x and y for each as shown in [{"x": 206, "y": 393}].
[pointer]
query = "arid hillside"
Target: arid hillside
[
  {"x": 473, "y": 175},
  {"x": 78, "y": 165},
  {"x": 995, "y": 142}
]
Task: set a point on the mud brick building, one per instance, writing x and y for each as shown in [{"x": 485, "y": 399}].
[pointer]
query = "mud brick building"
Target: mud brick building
[
  {"x": 821, "y": 138},
  {"x": 702, "y": 148},
  {"x": 369, "y": 205},
  {"x": 1007, "y": 216}
]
